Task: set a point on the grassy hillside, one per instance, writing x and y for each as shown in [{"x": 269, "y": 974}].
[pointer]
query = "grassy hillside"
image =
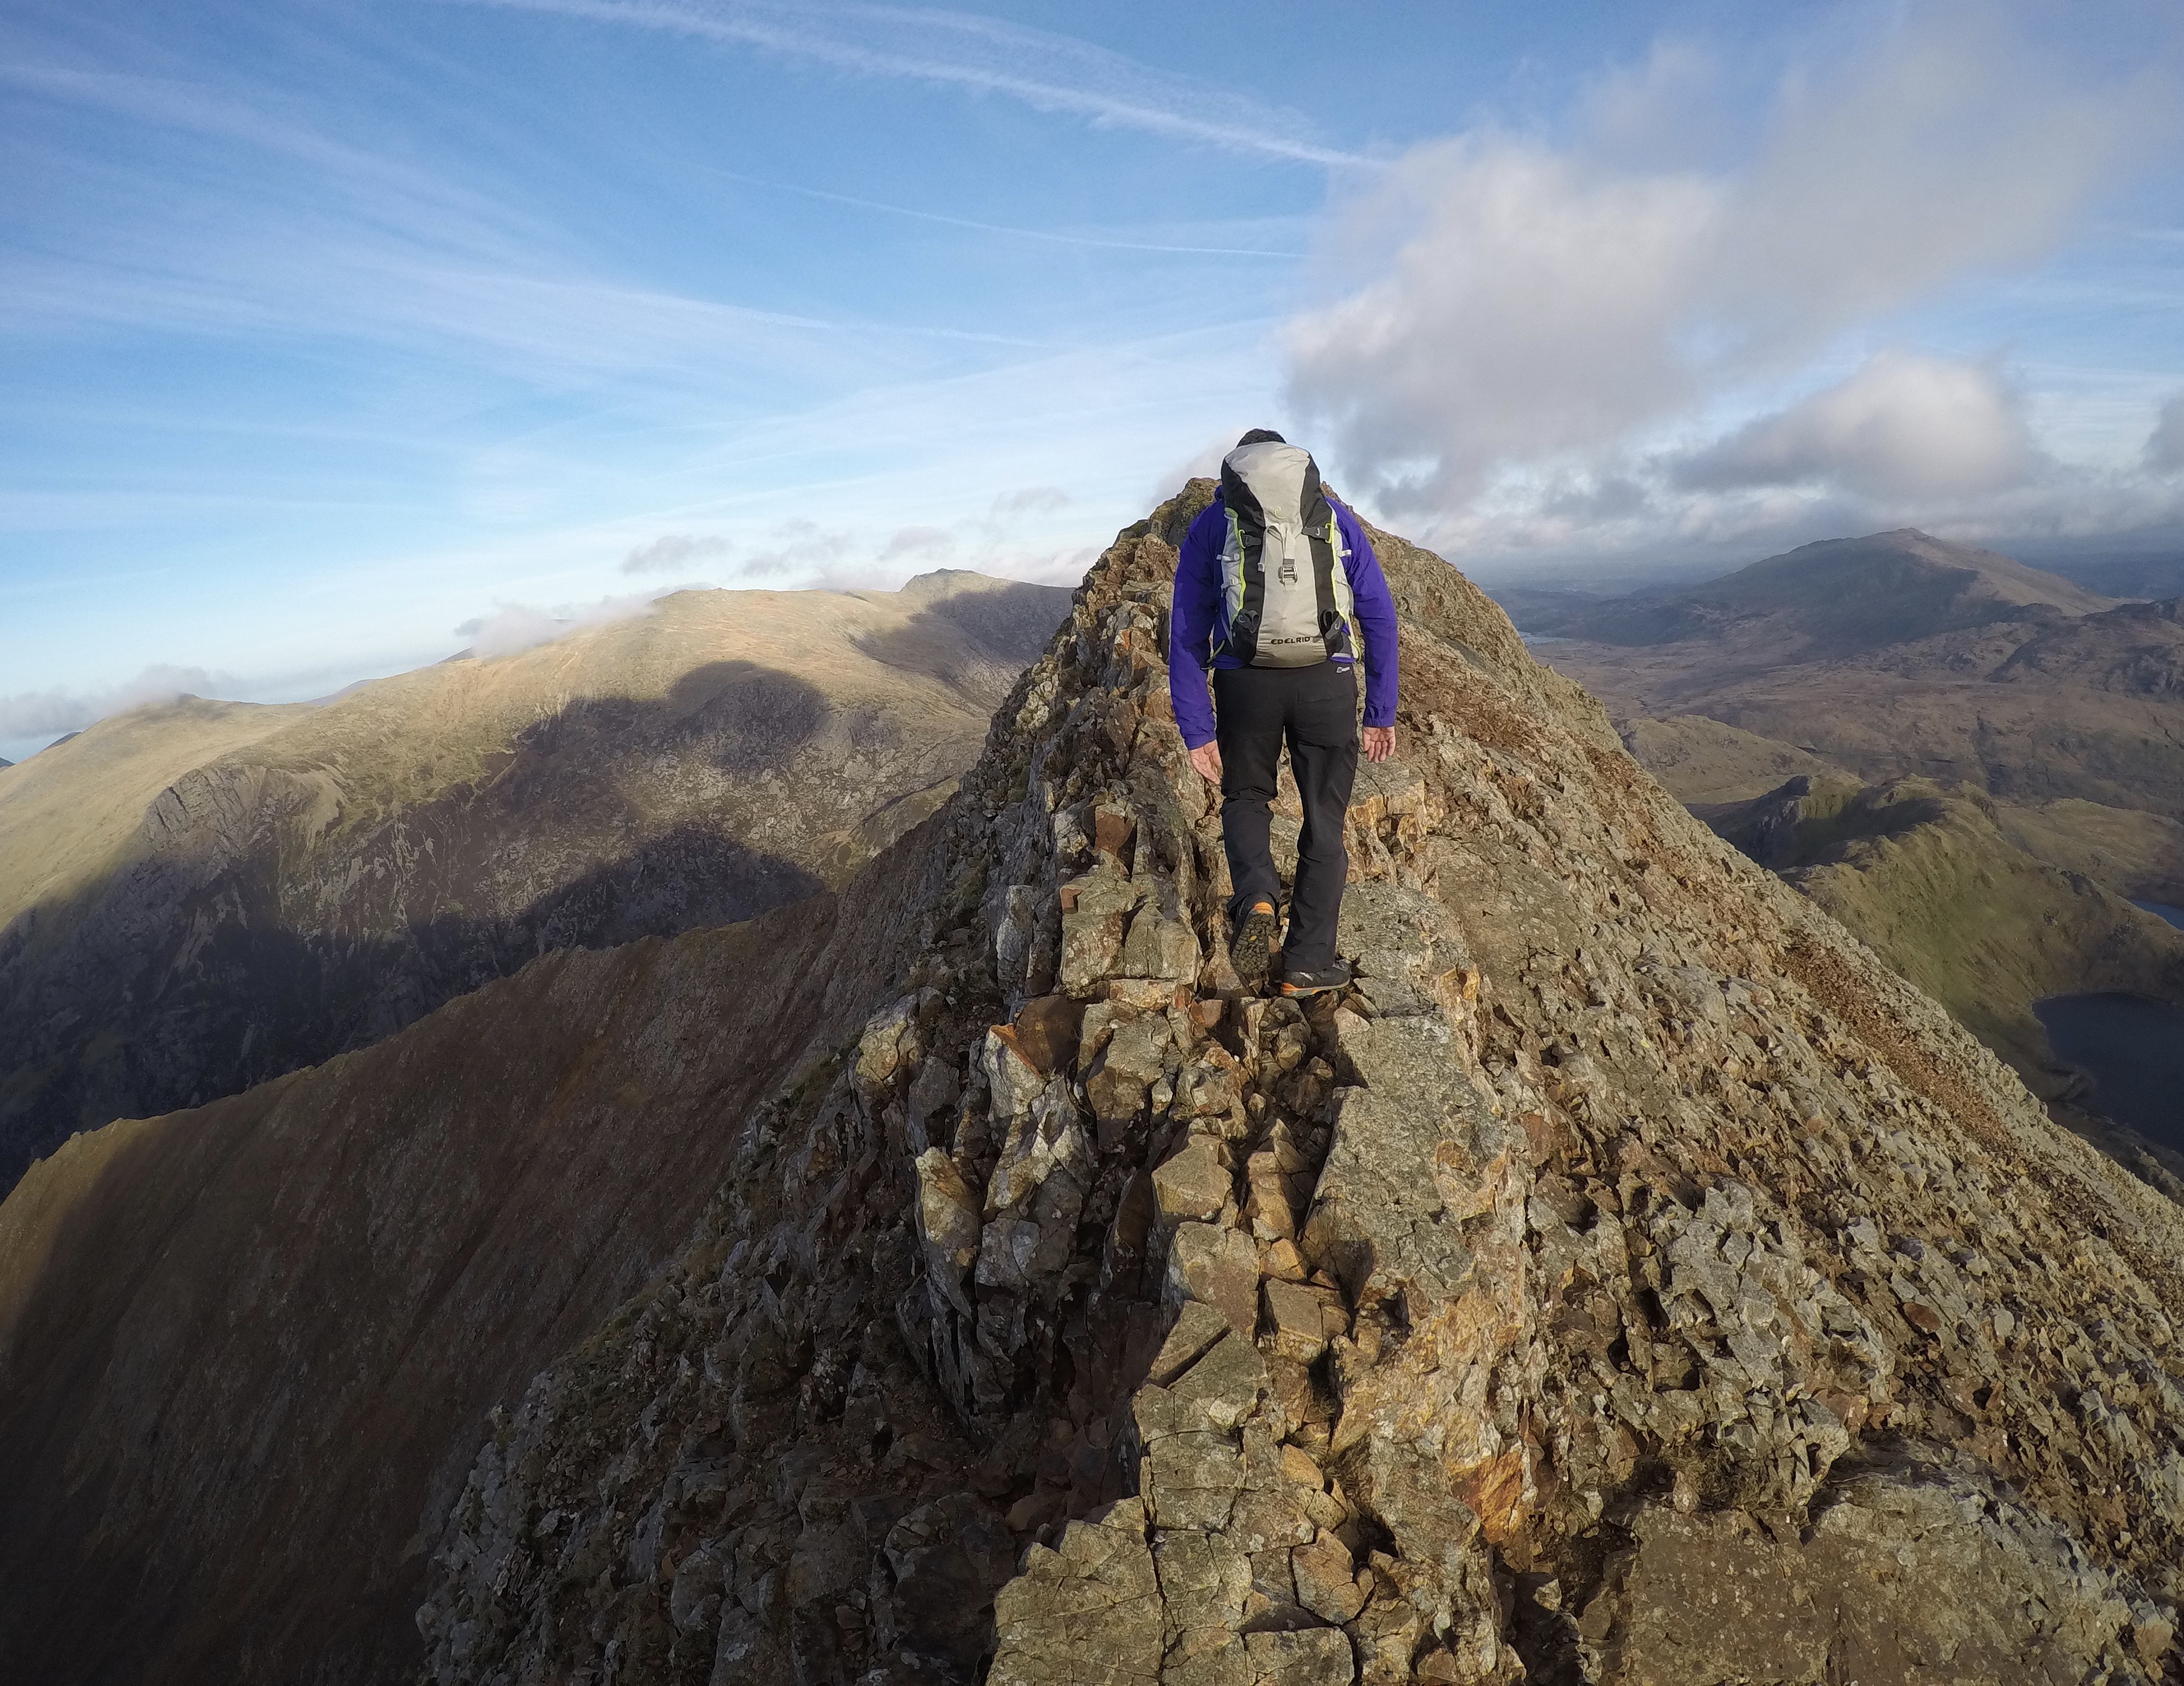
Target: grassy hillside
[{"x": 1929, "y": 879}]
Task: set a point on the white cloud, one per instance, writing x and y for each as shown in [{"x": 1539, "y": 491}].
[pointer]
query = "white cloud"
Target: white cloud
[
  {"x": 49, "y": 713},
  {"x": 918, "y": 541},
  {"x": 673, "y": 551},
  {"x": 1030, "y": 501},
  {"x": 2165, "y": 446},
  {"x": 1518, "y": 310},
  {"x": 514, "y": 627},
  {"x": 1901, "y": 427},
  {"x": 801, "y": 546}
]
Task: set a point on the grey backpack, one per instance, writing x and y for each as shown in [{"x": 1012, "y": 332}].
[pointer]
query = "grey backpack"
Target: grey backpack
[{"x": 1284, "y": 585}]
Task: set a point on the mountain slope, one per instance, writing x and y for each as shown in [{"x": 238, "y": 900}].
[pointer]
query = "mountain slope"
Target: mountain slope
[
  {"x": 197, "y": 898},
  {"x": 1628, "y": 1236},
  {"x": 1929, "y": 879},
  {"x": 245, "y": 1351},
  {"x": 1703, "y": 761}
]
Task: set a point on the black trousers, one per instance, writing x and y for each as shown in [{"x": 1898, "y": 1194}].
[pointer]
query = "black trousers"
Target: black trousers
[{"x": 1314, "y": 711}]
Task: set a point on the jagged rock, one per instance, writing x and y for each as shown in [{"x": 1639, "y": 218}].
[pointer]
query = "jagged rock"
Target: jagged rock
[
  {"x": 947, "y": 1222},
  {"x": 1087, "y": 1614},
  {"x": 1720, "y": 1596},
  {"x": 1301, "y": 1319},
  {"x": 1192, "y": 1184},
  {"x": 1219, "y": 1266},
  {"x": 1315, "y": 1657},
  {"x": 1327, "y": 1579},
  {"x": 1134, "y": 1059}
]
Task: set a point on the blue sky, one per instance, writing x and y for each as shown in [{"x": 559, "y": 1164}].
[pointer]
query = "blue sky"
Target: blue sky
[{"x": 332, "y": 328}]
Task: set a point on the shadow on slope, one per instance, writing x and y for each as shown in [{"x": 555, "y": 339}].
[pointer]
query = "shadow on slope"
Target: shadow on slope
[
  {"x": 1006, "y": 626},
  {"x": 265, "y": 927},
  {"x": 244, "y": 1351}
]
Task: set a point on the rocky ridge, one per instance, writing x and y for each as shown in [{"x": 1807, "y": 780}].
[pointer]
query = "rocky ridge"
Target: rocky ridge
[{"x": 1630, "y": 1279}]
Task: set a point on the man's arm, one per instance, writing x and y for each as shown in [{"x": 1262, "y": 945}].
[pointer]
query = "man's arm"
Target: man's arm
[
  {"x": 1374, "y": 608},
  {"x": 1191, "y": 616}
]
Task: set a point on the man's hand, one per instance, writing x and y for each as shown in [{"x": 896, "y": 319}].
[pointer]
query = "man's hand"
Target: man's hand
[
  {"x": 1207, "y": 758},
  {"x": 1379, "y": 742}
]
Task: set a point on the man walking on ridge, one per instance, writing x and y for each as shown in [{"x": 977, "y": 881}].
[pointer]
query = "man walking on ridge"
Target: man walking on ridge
[{"x": 1275, "y": 583}]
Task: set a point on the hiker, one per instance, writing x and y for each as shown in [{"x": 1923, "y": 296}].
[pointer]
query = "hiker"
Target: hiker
[{"x": 1275, "y": 583}]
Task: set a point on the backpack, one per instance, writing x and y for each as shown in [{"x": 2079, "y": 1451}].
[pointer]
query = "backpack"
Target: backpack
[{"x": 1285, "y": 587}]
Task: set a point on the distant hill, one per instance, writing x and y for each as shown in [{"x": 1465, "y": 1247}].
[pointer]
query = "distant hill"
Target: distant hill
[
  {"x": 1835, "y": 598},
  {"x": 2134, "y": 650},
  {"x": 197, "y": 896},
  {"x": 2157, "y": 575}
]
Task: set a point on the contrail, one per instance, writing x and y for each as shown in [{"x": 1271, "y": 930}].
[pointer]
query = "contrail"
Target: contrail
[{"x": 744, "y": 25}]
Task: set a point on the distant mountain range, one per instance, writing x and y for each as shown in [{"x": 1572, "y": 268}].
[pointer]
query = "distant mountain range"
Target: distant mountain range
[
  {"x": 198, "y": 896},
  {"x": 1972, "y": 763},
  {"x": 2161, "y": 575},
  {"x": 1899, "y": 656},
  {"x": 1835, "y": 598}
]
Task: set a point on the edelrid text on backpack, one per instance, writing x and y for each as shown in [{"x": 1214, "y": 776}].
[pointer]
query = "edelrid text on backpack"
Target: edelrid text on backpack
[{"x": 1285, "y": 584}]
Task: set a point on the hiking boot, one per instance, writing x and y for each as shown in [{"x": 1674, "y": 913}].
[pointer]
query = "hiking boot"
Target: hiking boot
[
  {"x": 1335, "y": 975},
  {"x": 1253, "y": 943}
]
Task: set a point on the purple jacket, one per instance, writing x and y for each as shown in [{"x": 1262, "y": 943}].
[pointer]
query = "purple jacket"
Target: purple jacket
[{"x": 1196, "y": 619}]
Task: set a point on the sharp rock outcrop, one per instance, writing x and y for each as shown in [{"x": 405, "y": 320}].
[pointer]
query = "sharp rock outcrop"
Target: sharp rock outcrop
[{"x": 1630, "y": 1279}]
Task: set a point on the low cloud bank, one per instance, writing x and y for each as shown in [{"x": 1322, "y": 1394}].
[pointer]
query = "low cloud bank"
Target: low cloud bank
[
  {"x": 1902, "y": 426},
  {"x": 1553, "y": 344},
  {"x": 675, "y": 551},
  {"x": 514, "y": 627},
  {"x": 28, "y": 715}
]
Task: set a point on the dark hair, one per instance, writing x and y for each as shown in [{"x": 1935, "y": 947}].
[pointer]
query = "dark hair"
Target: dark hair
[{"x": 1261, "y": 436}]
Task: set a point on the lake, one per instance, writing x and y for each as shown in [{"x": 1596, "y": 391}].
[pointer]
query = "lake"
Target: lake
[{"x": 2134, "y": 1048}]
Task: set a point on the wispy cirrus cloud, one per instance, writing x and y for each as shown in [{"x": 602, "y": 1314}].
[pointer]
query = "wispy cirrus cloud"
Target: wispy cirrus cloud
[{"x": 1047, "y": 71}]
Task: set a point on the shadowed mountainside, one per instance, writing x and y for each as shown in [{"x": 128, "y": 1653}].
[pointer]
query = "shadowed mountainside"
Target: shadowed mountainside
[
  {"x": 198, "y": 897},
  {"x": 1629, "y": 1238},
  {"x": 1929, "y": 879},
  {"x": 245, "y": 1351}
]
